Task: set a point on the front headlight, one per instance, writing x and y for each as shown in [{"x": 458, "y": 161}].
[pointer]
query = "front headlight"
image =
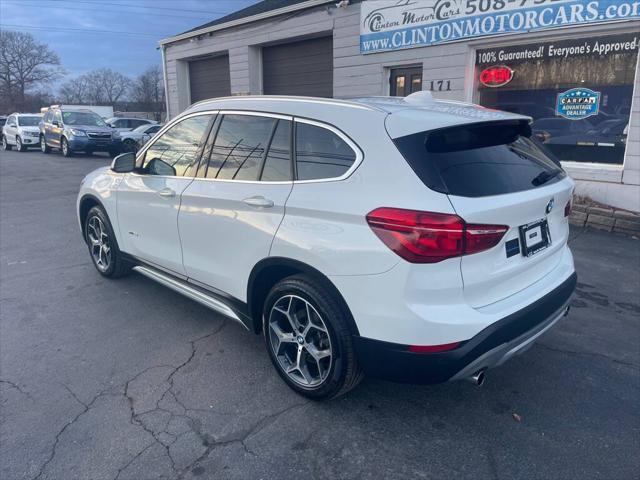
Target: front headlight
[
  {"x": 115, "y": 134},
  {"x": 78, "y": 133}
]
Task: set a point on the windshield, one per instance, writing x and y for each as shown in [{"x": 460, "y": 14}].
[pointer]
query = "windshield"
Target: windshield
[
  {"x": 31, "y": 121},
  {"x": 480, "y": 160},
  {"x": 83, "y": 118}
]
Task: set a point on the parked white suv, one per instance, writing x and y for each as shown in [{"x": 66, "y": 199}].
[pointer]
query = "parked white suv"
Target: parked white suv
[
  {"x": 126, "y": 124},
  {"x": 409, "y": 239},
  {"x": 21, "y": 131}
]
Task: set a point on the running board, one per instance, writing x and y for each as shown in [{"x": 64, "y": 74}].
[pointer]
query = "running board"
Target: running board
[{"x": 190, "y": 292}]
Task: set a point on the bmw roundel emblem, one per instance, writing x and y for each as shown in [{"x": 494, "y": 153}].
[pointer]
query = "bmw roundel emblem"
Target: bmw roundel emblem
[{"x": 550, "y": 205}]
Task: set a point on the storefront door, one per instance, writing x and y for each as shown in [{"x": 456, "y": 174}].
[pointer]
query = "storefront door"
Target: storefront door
[{"x": 404, "y": 81}]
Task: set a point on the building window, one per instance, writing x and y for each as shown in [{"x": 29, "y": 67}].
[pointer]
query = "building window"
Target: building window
[
  {"x": 405, "y": 80},
  {"x": 578, "y": 92}
]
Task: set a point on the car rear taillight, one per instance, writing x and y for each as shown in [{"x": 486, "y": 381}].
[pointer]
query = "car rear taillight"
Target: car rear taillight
[{"x": 427, "y": 237}]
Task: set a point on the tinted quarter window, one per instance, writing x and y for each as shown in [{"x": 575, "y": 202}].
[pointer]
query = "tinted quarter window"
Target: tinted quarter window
[
  {"x": 177, "y": 148},
  {"x": 320, "y": 153},
  {"x": 277, "y": 165},
  {"x": 240, "y": 146},
  {"x": 479, "y": 160}
]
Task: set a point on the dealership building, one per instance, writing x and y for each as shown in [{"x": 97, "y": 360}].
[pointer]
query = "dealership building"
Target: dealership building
[{"x": 572, "y": 65}]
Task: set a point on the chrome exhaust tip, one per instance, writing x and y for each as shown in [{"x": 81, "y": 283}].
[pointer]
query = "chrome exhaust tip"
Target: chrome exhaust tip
[{"x": 477, "y": 378}]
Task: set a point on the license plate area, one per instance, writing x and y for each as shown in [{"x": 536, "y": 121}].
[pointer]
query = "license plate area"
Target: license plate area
[{"x": 534, "y": 237}]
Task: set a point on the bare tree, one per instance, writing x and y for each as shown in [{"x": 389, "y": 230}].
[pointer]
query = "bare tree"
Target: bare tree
[
  {"x": 106, "y": 86},
  {"x": 148, "y": 91},
  {"x": 24, "y": 65},
  {"x": 75, "y": 91}
]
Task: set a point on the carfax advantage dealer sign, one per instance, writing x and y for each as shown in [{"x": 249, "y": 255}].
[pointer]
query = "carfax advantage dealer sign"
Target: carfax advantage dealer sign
[{"x": 396, "y": 24}]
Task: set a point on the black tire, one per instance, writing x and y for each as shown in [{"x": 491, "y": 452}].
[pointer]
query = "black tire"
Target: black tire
[
  {"x": 19, "y": 146},
  {"x": 5, "y": 145},
  {"x": 44, "y": 148},
  {"x": 344, "y": 372},
  {"x": 65, "y": 148},
  {"x": 117, "y": 266}
]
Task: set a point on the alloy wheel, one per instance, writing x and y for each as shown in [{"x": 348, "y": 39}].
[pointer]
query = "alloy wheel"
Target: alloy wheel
[
  {"x": 65, "y": 147},
  {"x": 4, "y": 142},
  {"x": 300, "y": 341},
  {"x": 43, "y": 144},
  {"x": 99, "y": 243},
  {"x": 18, "y": 143}
]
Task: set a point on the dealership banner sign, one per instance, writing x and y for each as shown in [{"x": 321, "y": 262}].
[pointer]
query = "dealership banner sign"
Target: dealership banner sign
[
  {"x": 397, "y": 24},
  {"x": 592, "y": 46}
]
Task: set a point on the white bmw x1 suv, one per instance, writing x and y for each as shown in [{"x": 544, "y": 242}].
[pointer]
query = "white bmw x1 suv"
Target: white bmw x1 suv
[{"x": 409, "y": 239}]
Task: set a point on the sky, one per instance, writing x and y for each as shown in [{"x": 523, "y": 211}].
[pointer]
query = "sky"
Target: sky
[{"x": 119, "y": 34}]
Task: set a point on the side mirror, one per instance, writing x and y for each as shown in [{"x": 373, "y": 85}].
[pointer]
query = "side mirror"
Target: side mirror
[
  {"x": 55, "y": 123},
  {"x": 124, "y": 163}
]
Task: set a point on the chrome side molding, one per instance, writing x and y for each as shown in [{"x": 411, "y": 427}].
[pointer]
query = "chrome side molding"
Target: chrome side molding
[{"x": 190, "y": 292}]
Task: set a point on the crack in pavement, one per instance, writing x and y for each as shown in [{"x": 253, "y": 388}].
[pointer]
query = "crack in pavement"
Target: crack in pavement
[
  {"x": 123, "y": 390},
  {"x": 209, "y": 442},
  {"x": 239, "y": 437},
  {"x": 17, "y": 387},
  {"x": 85, "y": 408},
  {"x": 135, "y": 457},
  {"x": 589, "y": 354},
  {"x": 135, "y": 418}
]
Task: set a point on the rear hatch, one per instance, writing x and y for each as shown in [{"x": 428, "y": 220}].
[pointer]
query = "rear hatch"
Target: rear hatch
[{"x": 495, "y": 173}]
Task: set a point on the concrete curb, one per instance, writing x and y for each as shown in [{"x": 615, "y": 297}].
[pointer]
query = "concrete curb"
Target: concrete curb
[{"x": 605, "y": 218}]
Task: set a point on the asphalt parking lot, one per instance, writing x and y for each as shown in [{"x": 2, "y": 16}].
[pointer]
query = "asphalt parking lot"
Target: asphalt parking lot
[{"x": 125, "y": 379}]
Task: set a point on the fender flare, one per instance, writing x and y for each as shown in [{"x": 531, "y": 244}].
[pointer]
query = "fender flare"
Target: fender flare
[{"x": 283, "y": 267}]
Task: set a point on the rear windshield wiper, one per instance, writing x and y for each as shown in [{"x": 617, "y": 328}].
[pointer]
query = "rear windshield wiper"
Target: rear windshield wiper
[{"x": 544, "y": 177}]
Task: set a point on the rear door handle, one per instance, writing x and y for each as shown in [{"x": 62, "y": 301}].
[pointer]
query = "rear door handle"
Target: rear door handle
[
  {"x": 259, "y": 201},
  {"x": 167, "y": 193}
]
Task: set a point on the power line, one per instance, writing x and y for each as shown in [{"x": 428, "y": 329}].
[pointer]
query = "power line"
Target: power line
[
  {"x": 136, "y": 6},
  {"x": 79, "y": 30},
  {"x": 98, "y": 11}
]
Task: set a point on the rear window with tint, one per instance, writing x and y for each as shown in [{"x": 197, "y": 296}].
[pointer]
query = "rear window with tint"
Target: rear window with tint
[{"x": 480, "y": 160}]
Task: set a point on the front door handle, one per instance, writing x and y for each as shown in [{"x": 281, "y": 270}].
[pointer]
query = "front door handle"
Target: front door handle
[
  {"x": 259, "y": 201},
  {"x": 167, "y": 193}
]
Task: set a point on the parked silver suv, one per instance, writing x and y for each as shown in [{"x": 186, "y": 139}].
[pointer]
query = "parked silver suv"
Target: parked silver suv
[{"x": 21, "y": 131}]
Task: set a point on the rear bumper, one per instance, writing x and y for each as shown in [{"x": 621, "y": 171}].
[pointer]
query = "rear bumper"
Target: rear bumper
[{"x": 489, "y": 348}]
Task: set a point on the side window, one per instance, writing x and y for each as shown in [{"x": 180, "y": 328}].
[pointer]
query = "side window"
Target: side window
[
  {"x": 277, "y": 165},
  {"x": 239, "y": 148},
  {"x": 176, "y": 150},
  {"x": 11, "y": 121},
  {"x": 320, "y": 153},
  {"x": 122, "y": 123},
  {"x": 57, "y": 116},
  {"x": 48, "y": 117}
]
